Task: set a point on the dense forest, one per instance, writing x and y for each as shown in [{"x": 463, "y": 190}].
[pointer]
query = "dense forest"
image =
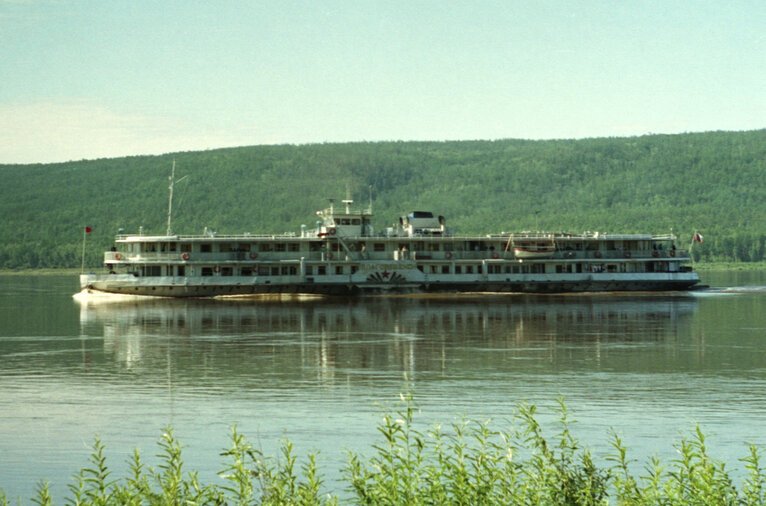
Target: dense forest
[{"x": 712, "y": 182}]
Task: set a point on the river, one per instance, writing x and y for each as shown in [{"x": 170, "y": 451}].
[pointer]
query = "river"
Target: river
[{"x": 322, "y": 372}]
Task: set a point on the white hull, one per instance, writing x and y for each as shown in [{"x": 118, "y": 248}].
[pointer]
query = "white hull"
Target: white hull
[{"x": 347, "y": 285}]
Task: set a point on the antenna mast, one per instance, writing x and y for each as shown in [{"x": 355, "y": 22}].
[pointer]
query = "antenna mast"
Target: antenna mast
[{"x": 170, "y": 196}]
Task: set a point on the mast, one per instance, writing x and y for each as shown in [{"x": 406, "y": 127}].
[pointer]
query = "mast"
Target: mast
[{"x": 170, "y": 196}]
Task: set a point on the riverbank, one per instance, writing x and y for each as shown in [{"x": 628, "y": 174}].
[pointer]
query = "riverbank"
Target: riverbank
[{"x": 729, "y": 266}]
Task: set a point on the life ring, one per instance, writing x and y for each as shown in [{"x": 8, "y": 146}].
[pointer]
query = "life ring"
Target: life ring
[
  {"x": 184, "y": 256},
  {"x": 655, "y": 254},
  {"x": 253, "y": 255},
  {"x": 672, "y": 252},
  {"x": 448, "y": 255},
  {"x": 597, "y": 254},
  {"x": 331, "y": 231},
  {"x": 627, "y": 254},
  {"x": 495, "y": 255},
  {"x": 117, "y": 256}
]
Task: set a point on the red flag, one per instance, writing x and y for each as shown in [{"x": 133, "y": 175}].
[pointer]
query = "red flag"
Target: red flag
[{"x": 88, "y": 230}]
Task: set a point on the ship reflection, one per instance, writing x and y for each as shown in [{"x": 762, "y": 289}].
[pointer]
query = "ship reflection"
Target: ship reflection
[{"x": 322, "y": 339}]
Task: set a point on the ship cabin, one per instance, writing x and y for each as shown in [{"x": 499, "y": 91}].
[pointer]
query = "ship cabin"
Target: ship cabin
[
  {"x": 346, "y": 223},
  {"x": 422, "y": 223}
]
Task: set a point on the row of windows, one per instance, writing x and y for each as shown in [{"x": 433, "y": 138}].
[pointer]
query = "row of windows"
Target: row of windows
[
  {"x": 323, "y": 270},
  {"x": 223, "y": 247}
]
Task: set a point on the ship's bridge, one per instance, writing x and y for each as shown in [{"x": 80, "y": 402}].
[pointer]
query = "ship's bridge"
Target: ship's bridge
[{"x": 344, "y": 223}]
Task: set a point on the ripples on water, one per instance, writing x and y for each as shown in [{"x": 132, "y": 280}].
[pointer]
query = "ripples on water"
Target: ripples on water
[{"x": 322, "y": 372}]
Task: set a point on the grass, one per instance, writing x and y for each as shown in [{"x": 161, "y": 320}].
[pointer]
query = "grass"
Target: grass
[{"x": 467, "y": 463}]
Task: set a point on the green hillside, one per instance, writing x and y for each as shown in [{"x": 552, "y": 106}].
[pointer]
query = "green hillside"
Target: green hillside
[{"x": 712, "y": 182}]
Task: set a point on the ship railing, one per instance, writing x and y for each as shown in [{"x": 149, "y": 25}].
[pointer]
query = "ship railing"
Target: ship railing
[
  {"x": 211, "y": 235},
  {"x": 454, "y": 255}
]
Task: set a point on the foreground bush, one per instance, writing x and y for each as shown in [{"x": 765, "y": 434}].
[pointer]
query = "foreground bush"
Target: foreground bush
[{"x": 468, "y": 464}]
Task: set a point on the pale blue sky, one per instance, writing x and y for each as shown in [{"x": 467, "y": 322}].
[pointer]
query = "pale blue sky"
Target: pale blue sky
[{"x": 91, "y": 79}]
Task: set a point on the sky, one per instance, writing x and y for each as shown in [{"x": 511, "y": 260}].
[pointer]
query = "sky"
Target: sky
[{"x": 86, "y": 79}]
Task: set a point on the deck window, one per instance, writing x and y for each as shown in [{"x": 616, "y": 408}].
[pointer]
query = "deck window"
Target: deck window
[
  {"x": 264, "y": 246},
  {"x": 246, "y": 271},
  {"x": 205, "y": 247},
  {"x": 321, "y": 270},
  {"x": 207, "y": 271},
  {"x": 379, "y": 246},
  {"x": 338, "y": 269},
  {"x": 186, "y": 247},
  {"x": 227, "y": 271},
  {"x": 293, "y": 246},
  {"x": 152, "y": 270}
]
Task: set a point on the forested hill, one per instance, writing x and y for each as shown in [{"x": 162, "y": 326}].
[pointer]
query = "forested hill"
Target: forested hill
[{"x": 711, "y": 182}]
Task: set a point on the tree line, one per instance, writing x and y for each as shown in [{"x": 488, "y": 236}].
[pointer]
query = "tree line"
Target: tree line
[{"x": 712, "y": 183}]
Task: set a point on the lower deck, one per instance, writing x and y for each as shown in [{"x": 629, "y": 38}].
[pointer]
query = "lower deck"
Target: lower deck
[{"x": 342, "y": 277}]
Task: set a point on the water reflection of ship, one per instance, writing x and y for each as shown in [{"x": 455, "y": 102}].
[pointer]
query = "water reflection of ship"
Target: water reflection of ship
[{"x": 372, "y": 333}]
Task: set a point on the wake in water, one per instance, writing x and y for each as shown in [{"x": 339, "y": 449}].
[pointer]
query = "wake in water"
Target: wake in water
[{"x": 730, "y": 290}]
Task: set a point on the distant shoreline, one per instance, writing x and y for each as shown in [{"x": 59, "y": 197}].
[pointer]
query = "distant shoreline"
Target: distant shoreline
[{"x": 699, "y": 266}]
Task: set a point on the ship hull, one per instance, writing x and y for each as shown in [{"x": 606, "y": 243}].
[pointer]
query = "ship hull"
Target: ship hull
[{"x": 171, "y": 287}]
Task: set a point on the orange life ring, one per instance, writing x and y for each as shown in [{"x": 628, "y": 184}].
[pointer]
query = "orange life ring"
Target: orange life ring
[
  {"x": 331, "y": 231},
  {"x": 253, "y": 255},
  {"x": 117, "y": 256},
  {"x": 184, "y": 256}
]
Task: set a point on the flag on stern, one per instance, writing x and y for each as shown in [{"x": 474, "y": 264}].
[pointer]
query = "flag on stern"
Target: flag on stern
[{"x": 88, "y": 230}]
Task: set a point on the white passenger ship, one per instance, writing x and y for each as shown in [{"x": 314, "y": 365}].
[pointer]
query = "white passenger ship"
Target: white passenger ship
[{"x": 342, "y": 255}]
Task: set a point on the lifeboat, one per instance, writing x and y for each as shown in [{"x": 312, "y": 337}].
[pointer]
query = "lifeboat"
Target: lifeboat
[{"x": 533, "y": 251}]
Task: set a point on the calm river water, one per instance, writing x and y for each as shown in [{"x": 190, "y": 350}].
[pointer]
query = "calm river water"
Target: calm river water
[{"x": 322, "y": 372}]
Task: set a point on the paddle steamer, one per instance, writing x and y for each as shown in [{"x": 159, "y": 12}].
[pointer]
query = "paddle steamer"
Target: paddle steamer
[{"x": 343, "y": 255}]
